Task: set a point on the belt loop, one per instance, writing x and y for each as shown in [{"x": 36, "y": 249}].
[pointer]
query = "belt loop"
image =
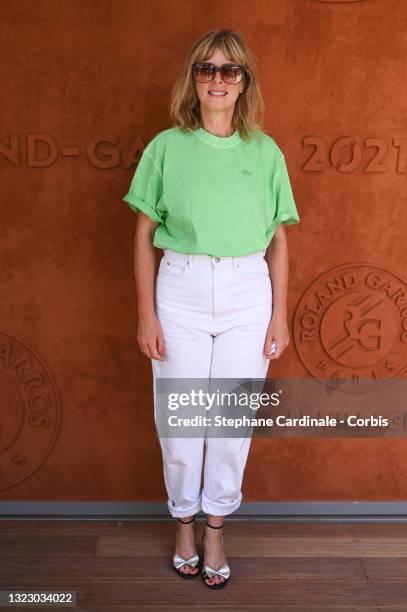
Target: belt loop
[
  {"x": 190, "y": 259},
  {"x": 235, "y": 262}
]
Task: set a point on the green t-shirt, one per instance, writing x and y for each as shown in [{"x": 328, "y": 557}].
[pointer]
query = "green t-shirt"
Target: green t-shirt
[{"x": 213, "y": 195}]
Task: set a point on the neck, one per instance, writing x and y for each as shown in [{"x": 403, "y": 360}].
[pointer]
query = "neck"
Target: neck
[{"x": 218, "y": 124}]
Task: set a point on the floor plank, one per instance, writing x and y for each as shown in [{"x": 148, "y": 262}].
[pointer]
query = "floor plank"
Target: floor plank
[{"x": 125, "y": 565}]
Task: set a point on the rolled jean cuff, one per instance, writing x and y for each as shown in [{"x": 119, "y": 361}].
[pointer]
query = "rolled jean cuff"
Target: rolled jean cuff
[
  {"x": 184, "y": 511},
  {"x": 217, "y": 508}
]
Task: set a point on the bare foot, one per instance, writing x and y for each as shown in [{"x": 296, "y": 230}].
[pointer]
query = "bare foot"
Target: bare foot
[
  {"x": 185, "y": 544},
  {"x": 214, "y": 554}
]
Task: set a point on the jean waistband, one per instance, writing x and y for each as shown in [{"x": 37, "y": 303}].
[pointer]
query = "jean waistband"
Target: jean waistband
[{"x": 234, "y": 260}]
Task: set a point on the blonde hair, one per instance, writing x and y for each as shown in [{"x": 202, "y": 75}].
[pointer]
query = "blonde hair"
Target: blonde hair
[{"x": 249, "y": 106}]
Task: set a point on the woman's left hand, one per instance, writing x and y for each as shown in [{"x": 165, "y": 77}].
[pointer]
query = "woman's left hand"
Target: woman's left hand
[{"x": 277, "y": 331}]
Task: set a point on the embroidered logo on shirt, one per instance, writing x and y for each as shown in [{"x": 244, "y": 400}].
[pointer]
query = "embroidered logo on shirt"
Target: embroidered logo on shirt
[{"x": 246, "y": 172}]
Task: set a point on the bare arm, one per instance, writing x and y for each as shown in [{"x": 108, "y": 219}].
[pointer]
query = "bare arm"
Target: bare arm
[
  {"x": 144, "y": 263},
  {"x": 277, "y": 260},
  {"x": 149, "y": 336}
]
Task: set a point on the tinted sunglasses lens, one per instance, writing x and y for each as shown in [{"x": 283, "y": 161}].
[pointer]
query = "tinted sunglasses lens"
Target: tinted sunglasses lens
[
  {"x": 232, "y": 74},
  {"x": 203, "y": 72}
]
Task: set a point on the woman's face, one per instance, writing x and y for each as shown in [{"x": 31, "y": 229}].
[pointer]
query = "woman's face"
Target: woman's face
[{"x": 215, "y": 103}]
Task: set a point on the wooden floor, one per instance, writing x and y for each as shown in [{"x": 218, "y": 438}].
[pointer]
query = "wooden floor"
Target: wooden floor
[{"x": 125, "y": 566}]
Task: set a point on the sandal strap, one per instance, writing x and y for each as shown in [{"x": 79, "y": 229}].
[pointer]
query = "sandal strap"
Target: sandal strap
[
  {"x": 223, "y": 571},
  {"x": 213, "y": 526},
  {"x": 185, "y": 522},
  {"x": 180, "y": 561}
]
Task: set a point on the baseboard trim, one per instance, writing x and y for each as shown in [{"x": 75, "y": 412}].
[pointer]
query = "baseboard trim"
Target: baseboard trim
[{"x": 292, "y": 511}]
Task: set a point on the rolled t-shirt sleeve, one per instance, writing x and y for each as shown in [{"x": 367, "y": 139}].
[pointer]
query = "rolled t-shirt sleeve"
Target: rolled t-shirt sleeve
[
  {"x": 285, "y": 208},
  {"x": 146, "y": 188}
]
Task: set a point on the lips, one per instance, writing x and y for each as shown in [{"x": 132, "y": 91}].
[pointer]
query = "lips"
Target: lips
[{"x": 218, "y": 93}]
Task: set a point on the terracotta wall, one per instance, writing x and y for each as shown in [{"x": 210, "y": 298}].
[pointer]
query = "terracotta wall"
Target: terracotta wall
[{"x": 85, "y": 85}]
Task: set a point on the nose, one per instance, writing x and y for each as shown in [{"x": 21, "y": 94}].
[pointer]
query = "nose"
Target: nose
[{"x": 218, "y": 77}]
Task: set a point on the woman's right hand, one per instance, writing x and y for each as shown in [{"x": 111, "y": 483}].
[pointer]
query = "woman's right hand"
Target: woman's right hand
[{"x": 150, "y": 336}]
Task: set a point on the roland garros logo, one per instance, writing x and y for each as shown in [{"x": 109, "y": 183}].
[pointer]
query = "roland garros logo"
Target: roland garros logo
[
  {"x": 29, "y": 412},
  {"x": 351, "y": 325}
]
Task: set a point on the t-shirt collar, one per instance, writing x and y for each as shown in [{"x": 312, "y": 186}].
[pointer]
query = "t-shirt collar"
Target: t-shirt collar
[{"x": 218, "y": 141}]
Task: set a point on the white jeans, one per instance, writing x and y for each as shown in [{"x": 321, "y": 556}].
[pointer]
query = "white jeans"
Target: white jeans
[{"x": 214, "y": 313}]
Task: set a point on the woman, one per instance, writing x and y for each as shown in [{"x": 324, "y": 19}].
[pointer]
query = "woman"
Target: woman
[{"x": 214, "y": 193}]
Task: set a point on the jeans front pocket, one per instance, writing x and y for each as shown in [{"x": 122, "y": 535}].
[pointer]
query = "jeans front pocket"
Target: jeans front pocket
[
  {"x": 253, "y": 270},
  {"x": 170, "y": 268}
]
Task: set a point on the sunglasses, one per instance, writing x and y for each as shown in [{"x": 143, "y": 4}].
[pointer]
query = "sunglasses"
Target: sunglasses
[{"x": 204, "y": 72}]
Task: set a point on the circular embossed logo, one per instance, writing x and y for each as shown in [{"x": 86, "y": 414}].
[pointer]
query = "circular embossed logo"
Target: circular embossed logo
[
  {"x": 351, "y": 325},
  {"x": 30, "y": 412}
]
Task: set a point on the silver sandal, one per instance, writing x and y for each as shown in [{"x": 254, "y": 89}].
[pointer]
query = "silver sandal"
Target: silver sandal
[
  {"x": 209, "y": 572},
  {"x": 178, "y": 561}
]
